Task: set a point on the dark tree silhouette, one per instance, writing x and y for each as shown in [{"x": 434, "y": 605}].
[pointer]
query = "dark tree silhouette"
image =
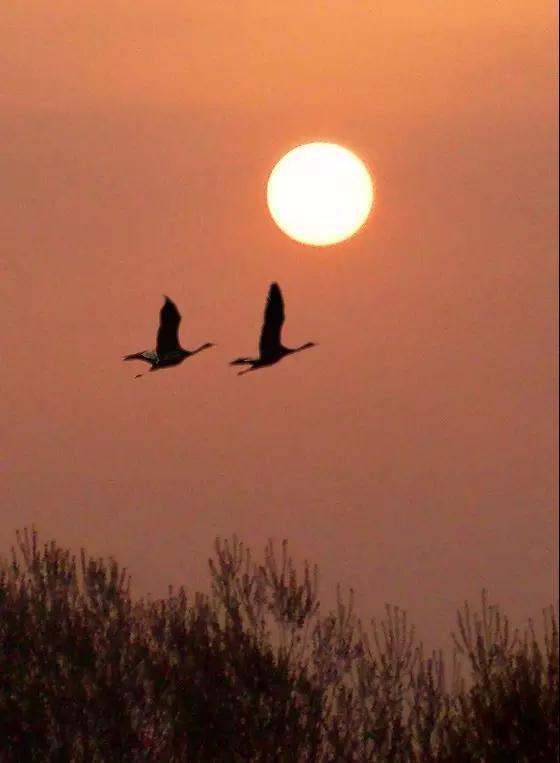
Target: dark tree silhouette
[{"x": 253, "y": 671}]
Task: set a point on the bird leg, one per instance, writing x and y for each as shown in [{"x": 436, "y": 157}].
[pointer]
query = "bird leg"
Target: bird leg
[{"x": 246, "y": 371}]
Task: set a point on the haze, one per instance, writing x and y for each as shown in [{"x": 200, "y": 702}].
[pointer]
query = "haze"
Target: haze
[{"x": 412, "y": 454}]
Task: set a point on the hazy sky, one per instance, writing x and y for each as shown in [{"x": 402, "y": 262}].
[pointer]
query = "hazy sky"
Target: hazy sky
[{"x": 412, "y": 454}]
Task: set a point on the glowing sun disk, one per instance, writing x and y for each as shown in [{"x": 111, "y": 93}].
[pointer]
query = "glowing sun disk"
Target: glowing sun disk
[{"x": 320, "y": 193}]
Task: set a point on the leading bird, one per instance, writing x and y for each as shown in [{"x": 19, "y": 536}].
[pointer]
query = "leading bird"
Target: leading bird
[
  {"x": 168, "y": 351},
  {"x": 271, "y": 349}
]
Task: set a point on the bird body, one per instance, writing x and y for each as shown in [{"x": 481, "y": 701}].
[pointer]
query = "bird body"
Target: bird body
[
  {"x": 271, "y": 349},
  {"x": 168, "y": 351}
]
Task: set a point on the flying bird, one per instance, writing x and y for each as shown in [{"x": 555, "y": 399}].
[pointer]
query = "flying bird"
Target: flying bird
[
  {"x": 271, "y": 349},
  {"x": 168, "y": 351}
]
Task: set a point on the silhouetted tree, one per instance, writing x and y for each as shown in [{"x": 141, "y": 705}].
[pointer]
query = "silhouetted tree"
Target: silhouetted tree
[{"x": 253, "y": 671}]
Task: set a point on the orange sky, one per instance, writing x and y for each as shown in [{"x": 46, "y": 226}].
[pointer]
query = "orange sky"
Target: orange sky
[{"x": 412, "y": 454}]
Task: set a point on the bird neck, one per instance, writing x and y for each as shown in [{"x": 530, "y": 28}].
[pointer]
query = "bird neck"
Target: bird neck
[
  {"x": 305, "y": 346},
  {"x": 202, "y": 347}
]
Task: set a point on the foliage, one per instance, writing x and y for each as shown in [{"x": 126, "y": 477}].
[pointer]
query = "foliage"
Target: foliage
[{"x": 254, "y": 671}]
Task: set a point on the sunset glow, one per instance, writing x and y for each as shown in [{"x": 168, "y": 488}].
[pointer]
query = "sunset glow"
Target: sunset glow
[{"x": 374, "y": 184}]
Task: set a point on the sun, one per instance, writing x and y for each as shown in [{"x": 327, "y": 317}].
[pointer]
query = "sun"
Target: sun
[{"x": 320, "y": 193}]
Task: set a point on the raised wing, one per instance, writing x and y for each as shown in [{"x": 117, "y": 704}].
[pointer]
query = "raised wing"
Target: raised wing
[
  {"x": 168, "y": 332},
  {"x": 273, "y": 319}
]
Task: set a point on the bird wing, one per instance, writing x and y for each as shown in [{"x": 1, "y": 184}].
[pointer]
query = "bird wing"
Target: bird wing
[
  {"x": 168, "y": 332},
  {"x": 273, "y": 320}
]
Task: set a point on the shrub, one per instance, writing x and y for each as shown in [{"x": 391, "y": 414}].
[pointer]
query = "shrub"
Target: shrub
[{"x": 253, "y": 671}]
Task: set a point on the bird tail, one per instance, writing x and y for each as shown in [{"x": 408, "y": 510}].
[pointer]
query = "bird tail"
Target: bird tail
[
  {"x": 241, "y": 362},
  {"x": 134, "y": 356}
]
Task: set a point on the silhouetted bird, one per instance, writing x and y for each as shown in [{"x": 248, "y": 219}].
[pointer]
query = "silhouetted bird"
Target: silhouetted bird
[
  {"x": 168, "y": 351},
  {"x": 271, "y": 349}
]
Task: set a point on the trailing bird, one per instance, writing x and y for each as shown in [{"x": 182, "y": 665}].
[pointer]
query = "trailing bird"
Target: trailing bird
[
  {"x": 271, "y": 349},
  {"x": 168, "y": 351}
]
